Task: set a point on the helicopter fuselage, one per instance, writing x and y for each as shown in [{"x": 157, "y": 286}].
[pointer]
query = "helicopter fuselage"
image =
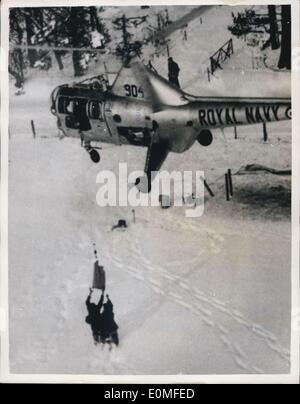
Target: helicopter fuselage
[{"x": 105, "y": 117}]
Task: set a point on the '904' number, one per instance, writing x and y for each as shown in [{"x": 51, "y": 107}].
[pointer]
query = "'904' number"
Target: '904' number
[{"x": 133, "y": 91}]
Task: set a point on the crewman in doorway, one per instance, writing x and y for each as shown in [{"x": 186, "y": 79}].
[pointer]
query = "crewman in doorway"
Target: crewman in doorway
[{"x": 173, "y": 72}]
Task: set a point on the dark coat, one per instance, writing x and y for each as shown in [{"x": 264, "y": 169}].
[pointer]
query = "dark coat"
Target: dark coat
[
  {"x": 108, "y": 317},
  {"x": 173, "y": 69},
  {"x": 94, "y": 316},
  {"x": 103, "y": 324}
]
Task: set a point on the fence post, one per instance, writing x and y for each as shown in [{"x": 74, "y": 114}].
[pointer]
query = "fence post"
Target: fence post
[
  {"x": 208, "y": 74},
  {"x": 133, "y": 214},
  {"x": 212, "y": 65},
  {"x": 235, "y": 132},
  {"x": 230, "y": 182},
  {"x": 227, "y": 187},
  {"x": 265, "y": 132},
  {"x": 33, "y": 128},
  {"x": 207, "y": 187}
]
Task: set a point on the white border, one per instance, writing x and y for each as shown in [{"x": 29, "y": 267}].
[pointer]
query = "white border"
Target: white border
[{"x": 5, "y": 375}]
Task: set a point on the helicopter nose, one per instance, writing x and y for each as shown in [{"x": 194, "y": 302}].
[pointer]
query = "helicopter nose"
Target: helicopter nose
[{"x": 53, "y": 99}]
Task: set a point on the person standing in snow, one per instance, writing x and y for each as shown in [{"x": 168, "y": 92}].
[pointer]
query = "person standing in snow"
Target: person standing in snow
[
  {"x": 109, "y": 326},
  {"x": 94, "y": 317},
  {"x": 173, "y": 74},
  {"x": 184, "y": 32},
  {"x": 103, "y": 325}
]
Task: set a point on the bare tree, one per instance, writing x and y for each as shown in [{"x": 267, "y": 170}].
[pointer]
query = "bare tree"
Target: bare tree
[
  {"x": 285, "y": 55},
  {"x": 274, "y": 37}
]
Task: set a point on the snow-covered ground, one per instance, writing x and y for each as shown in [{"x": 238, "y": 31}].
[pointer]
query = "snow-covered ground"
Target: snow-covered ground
[{"x": 195, "y": 296}]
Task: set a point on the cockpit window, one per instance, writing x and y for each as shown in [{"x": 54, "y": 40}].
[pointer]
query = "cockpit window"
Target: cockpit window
[
  {"x": 95, "y": 110},
  {"x": 53, "y": 99},
  {"x": 65, "y": 105},
  {"x": 69, "y": 106},
  {"x": 61, "y": 102}
]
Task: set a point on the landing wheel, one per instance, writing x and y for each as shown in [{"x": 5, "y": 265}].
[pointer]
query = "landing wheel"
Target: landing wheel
[
  {"x": 205, "y": 138},
  {"x": 143, "y": 185},
  {"x": 95, "y": 156}
]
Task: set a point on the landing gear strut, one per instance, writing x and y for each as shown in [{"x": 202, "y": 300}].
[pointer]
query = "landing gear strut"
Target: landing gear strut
[
  {"x": 143, "y": 184},
  {"x": 94, "y": 155}
]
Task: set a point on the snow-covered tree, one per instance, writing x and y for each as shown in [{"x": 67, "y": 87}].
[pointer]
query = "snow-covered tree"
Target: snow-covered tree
[
  {"x": 16, "y": 64},
  {"x": 127, "y": 48},
  {"x": 68, "y": 27},
  {"x": 253, "y": 22}
]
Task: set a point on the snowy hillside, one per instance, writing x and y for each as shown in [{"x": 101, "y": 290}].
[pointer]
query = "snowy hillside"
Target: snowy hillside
[{"x": 195, "y": 296}]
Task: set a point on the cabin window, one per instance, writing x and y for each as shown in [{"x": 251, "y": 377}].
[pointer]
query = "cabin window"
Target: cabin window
[
  {"x": 80, "y": 117},
  {"x": 69, "y": 106},
  {"x": 65, "y": 105},
  {"x": 76, "y": 111},
  {"x": 95, "y": 110}
]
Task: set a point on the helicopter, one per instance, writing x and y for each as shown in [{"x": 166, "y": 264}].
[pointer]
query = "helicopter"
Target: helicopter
[{"x": 141, "y": 108}]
